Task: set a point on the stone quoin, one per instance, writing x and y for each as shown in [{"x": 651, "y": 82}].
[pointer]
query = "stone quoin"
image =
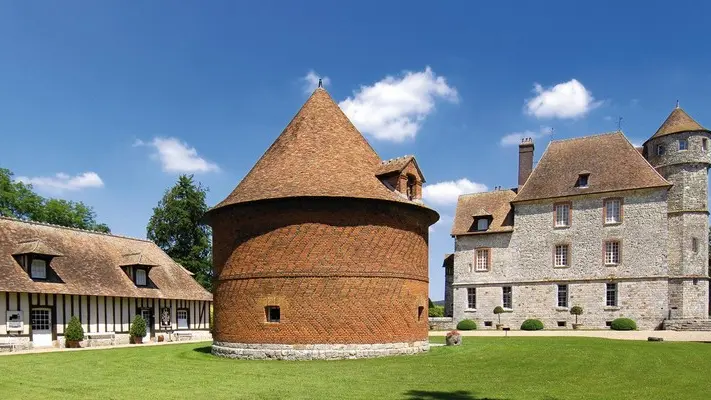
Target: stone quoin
[{"x": 321, "y": 251}]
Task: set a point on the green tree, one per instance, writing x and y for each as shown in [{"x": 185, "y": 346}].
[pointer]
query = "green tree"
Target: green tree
[
  {"x": 176, "y": 227},
  {"x": 17, "y": 200}
]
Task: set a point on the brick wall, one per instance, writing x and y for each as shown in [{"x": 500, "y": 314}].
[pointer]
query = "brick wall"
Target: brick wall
[{"x": 341, "y": 271}]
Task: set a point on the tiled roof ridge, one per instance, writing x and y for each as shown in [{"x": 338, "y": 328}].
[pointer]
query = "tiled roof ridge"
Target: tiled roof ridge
[
  {"x": 592, "y": 135},
  {"x": 495, "y": 190},
  {"x": 2, "y": 217},
  {"x": 385, "y": 162}
]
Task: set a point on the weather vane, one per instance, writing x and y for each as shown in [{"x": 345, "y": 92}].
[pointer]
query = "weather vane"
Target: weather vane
[
  {"x": 320, "y": 84},
  {"x": 619, "y": 124}
]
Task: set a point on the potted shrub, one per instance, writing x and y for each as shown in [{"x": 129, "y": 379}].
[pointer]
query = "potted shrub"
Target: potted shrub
[
  {"x": 576, "y": 310},
  {"x": 498, "y": 311},
  {"x": 74, "y": 333},
  {"x": 454, "y": 338},
  {"x": 138, "y": 329}
]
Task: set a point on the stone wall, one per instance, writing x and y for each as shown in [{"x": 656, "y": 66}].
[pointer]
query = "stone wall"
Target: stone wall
[
  {"x": 643, "y": 300},
  {"x": 524, "y": 259},
  {"x": 441, "y": 323},
  {"x": 251, "y": 351}
]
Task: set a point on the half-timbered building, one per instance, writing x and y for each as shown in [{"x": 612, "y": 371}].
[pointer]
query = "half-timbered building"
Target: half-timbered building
[{"x": 49, "y": 273}]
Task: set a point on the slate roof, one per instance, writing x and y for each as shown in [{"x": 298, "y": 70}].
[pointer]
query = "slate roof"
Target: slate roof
[
  {"x": 611, "y": 160},
  {"x": 678, "y": 121},
  {"x": 319, "y": 154},
  {"x": 90, "y": 263},
  {"x": 496, "y": 203}
]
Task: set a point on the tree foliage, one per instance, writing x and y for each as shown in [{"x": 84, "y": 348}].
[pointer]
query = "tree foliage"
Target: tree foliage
[
  {"x": 176, "y": 227},
  {"x": 18, "y": 200},
  {"x": 74, "y": 330}
]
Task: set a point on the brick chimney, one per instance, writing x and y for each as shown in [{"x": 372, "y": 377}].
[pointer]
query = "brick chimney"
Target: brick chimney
[{"x": 525, "y": 160}]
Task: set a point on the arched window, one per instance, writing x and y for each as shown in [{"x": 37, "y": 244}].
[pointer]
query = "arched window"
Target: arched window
[{"x": 411, "y": 183}]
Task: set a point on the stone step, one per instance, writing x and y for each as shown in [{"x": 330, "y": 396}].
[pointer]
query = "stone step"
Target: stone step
[{"x": 695, "y": 324}]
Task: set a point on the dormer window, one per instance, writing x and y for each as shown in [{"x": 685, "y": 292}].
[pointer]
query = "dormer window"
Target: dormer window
[
  {"x": 141, "y": 277},
  {"x": 482, "y": 224},
  {"x": 38, "y": 269},
  {"x": 411, "y": 184},
  {"x": 582, "y": 181}
]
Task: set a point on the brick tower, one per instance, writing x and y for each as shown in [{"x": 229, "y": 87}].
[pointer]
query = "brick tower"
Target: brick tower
[
  {"x": 321, "y": 251},
  {"x": 679, "y": 150}
]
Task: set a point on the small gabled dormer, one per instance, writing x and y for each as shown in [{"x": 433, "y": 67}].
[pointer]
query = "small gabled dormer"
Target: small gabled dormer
[
  {"x": 35, "y": 257},
  {"x": 583, "y": 180},
  {"x": 137, "y": 267},
  {"x": 403, "y": 176},
  {"x": 481, "y": 221}
]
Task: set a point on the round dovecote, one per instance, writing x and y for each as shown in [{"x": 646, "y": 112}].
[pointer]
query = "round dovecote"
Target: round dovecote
[
  {"x": 680, "y": 140},
  {"x": 314, "y": 256}
]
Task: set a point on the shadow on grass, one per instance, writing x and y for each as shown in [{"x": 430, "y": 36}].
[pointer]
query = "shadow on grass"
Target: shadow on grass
[
  {"x": 431, "y": 395},
  {"x": 204, "y": 349}
]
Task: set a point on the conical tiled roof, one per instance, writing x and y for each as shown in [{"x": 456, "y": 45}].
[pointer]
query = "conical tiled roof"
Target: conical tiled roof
[
  {"x": 320, "y": 153},
  {"x": 678, "y": 121}
]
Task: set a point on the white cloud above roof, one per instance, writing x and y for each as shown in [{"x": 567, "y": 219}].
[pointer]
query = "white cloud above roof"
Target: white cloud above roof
[
  {"x": 567, "y": 100},
  {"x": 61, "y": 182},
  {"x": 394, "y": 108},
  {"x": 447, "y": 192},
  {"x": 177, "y": 156}
]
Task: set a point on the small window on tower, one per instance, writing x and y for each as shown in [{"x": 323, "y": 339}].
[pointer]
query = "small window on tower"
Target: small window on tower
[
  {"x": 660, "y": 150},
  {"x": 683, "y": 144},
  {"x": 273, "y": 313},
  {"x": 704, "y": 144},
  {"x": 695, "y": 245}
]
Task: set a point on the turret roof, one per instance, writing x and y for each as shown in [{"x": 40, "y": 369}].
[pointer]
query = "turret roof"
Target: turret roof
[
  {"x": 678, "y": 121},
  {"x": 319, "y": 154}
]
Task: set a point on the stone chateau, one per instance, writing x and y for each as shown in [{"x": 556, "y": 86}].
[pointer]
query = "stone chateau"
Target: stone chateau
[{"x": 618, "y": 230}]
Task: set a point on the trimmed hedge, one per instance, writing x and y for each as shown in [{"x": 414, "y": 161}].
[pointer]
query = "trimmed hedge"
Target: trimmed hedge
[
  {"x": 138, "y": 327},
  {"x": 623, "y": 324},
  {"x": 436, "y": 311},
  {"x": 531, "y": 325},
  {"x": 466, "y": 325}
]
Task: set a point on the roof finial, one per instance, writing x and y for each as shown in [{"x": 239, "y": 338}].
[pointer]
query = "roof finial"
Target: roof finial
[
  {"x": 320, "y": 83},
  {"x": 619, "y": 124},
  {"x": 677, "y": 104}
]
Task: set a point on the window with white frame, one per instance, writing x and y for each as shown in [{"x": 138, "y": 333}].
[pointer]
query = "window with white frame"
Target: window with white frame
[
  {"x": 613, "y": 211},
  {"x": 562, "y": 214},
  {"x": 611, "y": 294},
  {"x": 507, "y": 297},
  {"x": 482, "y": 259},
  {"x": 562, "y": 296},
  {"x": 612, "y": 252},
  {"x": 683, "y": 144},
  {"x": 141, "y": 278},
  {"x": 660, "y": 150},
  {"x": 471, "y": 298},
  {"x": 561, "y": 255},
  {"x": 182, "y": 316},
  {"x": 38, "y": 269}
]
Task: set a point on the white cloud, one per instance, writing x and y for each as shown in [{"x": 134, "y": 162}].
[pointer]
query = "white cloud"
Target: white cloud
[
  {"x": 311, "y": 81},
  {"x": 177, "y": 156},
  {"x": 63, "y": 182},
  {"x": 445, "y": 221},
  {"x": 513, "y": 139},
  {"x": 446, "y": 193},
  {"x": 565, "y": 100},
  {"x": 394, "y": 108}
]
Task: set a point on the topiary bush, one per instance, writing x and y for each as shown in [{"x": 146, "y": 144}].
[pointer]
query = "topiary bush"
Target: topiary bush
[
  {"x": 576, "y": 310},
  {"x": 531, "y": 325},
  {"x": 498, "y": 310},
  {"x": 436, "y": 311},
  {"x": 466, "y": 325},
  {"x": 138, "y": 327},
  {"x": 623, "y": 324},
  {"x": 74, "y": 331}
]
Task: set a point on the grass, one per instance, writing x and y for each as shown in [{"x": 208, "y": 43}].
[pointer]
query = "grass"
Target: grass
[{"x": 483, "y": 368}]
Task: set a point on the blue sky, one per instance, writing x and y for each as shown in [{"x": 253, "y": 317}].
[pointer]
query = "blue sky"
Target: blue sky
[{"x": 118, "y": 98}]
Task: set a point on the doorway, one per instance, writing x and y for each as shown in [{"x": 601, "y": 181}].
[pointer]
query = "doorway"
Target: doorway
[{"x": 41, "y": 321}]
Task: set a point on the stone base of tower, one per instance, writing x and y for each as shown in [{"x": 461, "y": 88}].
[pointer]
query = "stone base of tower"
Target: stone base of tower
[{"x": 253, "y": 351}]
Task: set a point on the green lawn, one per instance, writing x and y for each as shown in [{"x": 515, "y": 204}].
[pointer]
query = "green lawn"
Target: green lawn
[{"x": 483, "y": 368}]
